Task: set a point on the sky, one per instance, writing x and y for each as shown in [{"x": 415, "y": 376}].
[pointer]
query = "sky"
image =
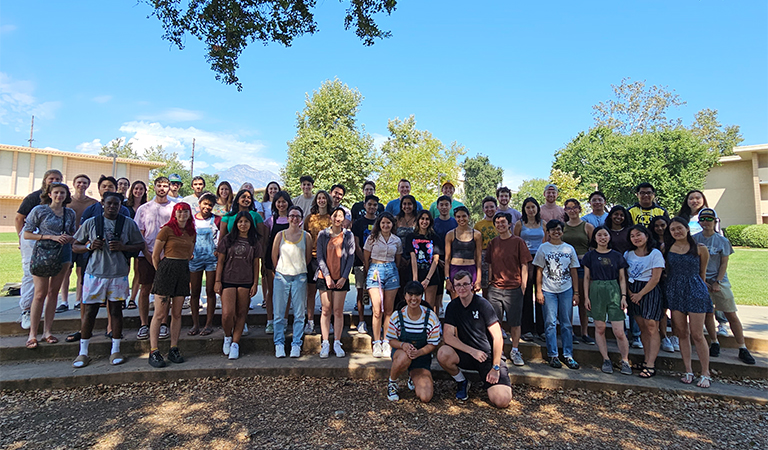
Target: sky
[{"x": 513, "y": 80}]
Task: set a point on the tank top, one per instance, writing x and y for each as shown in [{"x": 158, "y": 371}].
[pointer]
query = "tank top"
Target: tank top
[
  {"x": 461, "y": 249},
  {"x": 577, "y": 237},
  {"x": 532, "y": 237},
  {"x": 293, "y": 256}
]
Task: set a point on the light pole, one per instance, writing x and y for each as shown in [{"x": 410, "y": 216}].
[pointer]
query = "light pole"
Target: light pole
[{"x": 114, "y": 163}]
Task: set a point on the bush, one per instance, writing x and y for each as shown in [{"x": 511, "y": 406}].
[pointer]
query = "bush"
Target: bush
[
  {"x": 755, "y": 236},
  {"x": 733, "y": 233}
]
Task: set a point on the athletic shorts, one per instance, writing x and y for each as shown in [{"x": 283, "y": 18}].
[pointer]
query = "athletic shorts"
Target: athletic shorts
[
  {"x": 236, "y": 286},
  {"x": 203, "y": 264},
  {"x": 146, "y": 271},
  {"x": 508, "y": 301},
  {"x": 467, "y": 362},
  {"x": 97, "y": 290}
]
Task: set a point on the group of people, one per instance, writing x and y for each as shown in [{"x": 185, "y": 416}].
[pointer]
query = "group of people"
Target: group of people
[{"x": 515, "y": 274}]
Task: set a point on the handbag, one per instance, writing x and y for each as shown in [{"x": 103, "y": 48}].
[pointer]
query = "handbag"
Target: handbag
[{"x": 46, "y": 256}]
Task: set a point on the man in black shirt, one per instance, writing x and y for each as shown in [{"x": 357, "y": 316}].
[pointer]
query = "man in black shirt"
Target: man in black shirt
[
  {"x": 358, "y": 209},
  {"x": 361, "y": 229},
  {"x": 473, "y": 342}
]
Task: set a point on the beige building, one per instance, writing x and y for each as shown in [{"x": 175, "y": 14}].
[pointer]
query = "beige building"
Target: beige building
[
  {"x": 22, "y": 169},
  {"x": 738, "y": 187}
]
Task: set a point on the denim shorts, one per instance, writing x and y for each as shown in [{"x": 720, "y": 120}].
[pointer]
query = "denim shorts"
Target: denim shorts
[
  {"x": 203, "y": 264},
  {"x": 386, "y": 274}
]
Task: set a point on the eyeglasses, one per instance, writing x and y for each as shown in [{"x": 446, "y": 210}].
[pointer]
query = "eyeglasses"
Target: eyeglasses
[
  {"x": 462, "y": 285},
  {"x": 706, "y": 219},
  {"x": 294, "y": 216},
  {"x": 572, "y": 208},
  {"x": 645, "y": 193}
]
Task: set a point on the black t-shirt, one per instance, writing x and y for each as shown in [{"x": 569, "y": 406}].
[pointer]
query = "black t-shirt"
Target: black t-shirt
[
  {"x": 361, "y": 229},
  {"x": 472, "y": 322},
  {"x": 29, "y": 202},
  {"x": 424, "y": 247},
  {"x": 358, "y": 211},
  {"x": 604, "y": 266}
]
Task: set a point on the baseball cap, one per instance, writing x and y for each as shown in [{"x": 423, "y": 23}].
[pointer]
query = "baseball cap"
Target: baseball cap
[
  {"x": 174, "y": 178},
  {"x": 707, "y": 212}
]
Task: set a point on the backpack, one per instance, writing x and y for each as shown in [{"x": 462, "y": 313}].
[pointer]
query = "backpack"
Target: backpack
[{"x": 119, "y": 223}]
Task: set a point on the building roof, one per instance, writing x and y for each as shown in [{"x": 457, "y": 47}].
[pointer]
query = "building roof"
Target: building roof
[
  {"x": 85, "y": 156},
  {"x": 744, "y": 153}
]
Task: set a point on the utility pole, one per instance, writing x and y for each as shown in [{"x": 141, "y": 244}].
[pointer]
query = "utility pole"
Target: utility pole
[
  {"x": 192, "y": 164},
  {"x": 31, "y": 131}
]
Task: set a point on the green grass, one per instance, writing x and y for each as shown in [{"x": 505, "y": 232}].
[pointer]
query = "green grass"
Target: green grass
[
  {"x": 8, "y": 237},
  {"x": 747, "y": 269}
]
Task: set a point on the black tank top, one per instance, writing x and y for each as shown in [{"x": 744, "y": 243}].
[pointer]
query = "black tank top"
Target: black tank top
[{"x": 461, "y": 249}]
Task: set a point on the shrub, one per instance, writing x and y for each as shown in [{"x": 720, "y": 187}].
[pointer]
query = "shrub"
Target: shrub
[
  {"x": 755, "y": 236},
  {"x": 733, "y": 233}
]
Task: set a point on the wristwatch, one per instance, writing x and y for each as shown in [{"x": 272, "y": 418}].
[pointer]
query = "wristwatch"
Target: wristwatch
[
  {"x": 496, "y": 367},
  {"x": 89, "y": 246}
]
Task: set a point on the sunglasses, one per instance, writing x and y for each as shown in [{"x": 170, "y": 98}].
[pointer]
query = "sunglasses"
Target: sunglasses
[{"x": 706, "y": 219}]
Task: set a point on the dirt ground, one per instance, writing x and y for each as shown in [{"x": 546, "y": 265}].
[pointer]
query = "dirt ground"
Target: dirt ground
[{"x": 314, "y": 413}]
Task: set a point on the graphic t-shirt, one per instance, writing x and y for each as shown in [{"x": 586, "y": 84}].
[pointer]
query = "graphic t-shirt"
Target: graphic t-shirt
[
  {"x": 361, "y": 229},
  {"x": 604, "y": 266},
  {"x": 556, "y": 262},
  {"x": 643, "y": 216},
  {"x": 424, "y": 247},
  {"x": 641, "y": 267},
  {"x": 486, "y": 228},
  {"x": 718, "y": 246},
  {"x": 472, "y": 322},
  {"x": 238, "y": 263}
]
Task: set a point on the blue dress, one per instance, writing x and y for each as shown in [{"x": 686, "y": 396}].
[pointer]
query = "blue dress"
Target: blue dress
[{"x": 686, "y": 291}]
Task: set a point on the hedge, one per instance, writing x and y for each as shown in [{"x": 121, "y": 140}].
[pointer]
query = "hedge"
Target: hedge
[
  {"x": 733, "y": 233},
  {"x": 748, "y": 235}
]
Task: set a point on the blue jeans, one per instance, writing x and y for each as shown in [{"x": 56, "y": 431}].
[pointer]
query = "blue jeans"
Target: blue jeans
[
  {"x": 558, "y": 307},
  {"x": 295, "y": 288}
]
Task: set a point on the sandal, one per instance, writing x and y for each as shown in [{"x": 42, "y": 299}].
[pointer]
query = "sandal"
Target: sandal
[
  {"x": 687, "y": 378},
  {"x": 638, "y": 366},
  {"x": 648, "y": 372},
  {"x": 206, "y": 331},
  {"x": 704, "y": 381},
  {"x": 73, "y": 337},
  {"x": 131, "y": 305},
  {"x": 51, "y": 339},
  {"x": 193, "y": 332},
  {"x": 32, "y": 343}
]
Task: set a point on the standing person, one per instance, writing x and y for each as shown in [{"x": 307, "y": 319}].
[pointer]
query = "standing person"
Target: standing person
[
  {"x": 277, "y": 222},
  {"x": 531, "y": 230},
  {"x": 306, "y": 199},
  {"x": 338, "y": 191},
  {"x": 422, "y": 248},
  {"x": 406, "y": 223},
  {"x": 53, "y": 223},
  {"x": 291, "y": 252},
  {"x": 444, "y": 223},
  {"x": 473, "y": 342},
  {"x": 269, "y": 196},
  {"x": 204, "y": 261},
  {"x": 557, "y": 263},
  {"x": 414, "y": 333},
  {"x": 26, "y": 246},
  {"x": 237, "y": 278},
  {"x": 550, "y": 210},
  {"x": 605, "y": 295},
  {"x": 137, "y": 196},
  {"x": 619, "y": 222},
  {"x": 687, "y": 295},
  {"x": 243, "y": 202},
  {"x": 224, "y": 199},
  {"x": 646, "y": 206},
  {"x": 335, "y": 257},
  {"x": 718, "y": 285},
  {"x": 381, "y": 256},
  {"x": 488, "y": 232},
  {"x": 578, "y": 233},
  {"x": 255, "y": 204},
  {"x": 358, "y": 209},
  {"x": 463, "y": 248},
  {"x": 403, "y": 188},
  {"x": 198, "y": 186},
  {"x": 174, "y": 247},
  {"x": 646, "y": 264},
  {"x": 80, "y": 202},
  {"x": 106, "y": 276},
  {"x": 598, "y": 215},
  {"x": 361, "y": 229},
  {"x": 150, "y": 218},
  {"x": 693, "y": 203},
  {"x": 174, "y": 187},
  {"x": 318, "y": 220},
  {"x": 508, "y": 258},
  {"x": 123, "y": 184},
  {"x": 657, "y": 228},
  {"x": 447, "y": 189},
  {"x": 504, "y": 196}
]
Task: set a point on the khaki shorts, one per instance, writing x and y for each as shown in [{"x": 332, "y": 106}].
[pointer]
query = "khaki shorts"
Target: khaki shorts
[{"x": 724, "y": 300}]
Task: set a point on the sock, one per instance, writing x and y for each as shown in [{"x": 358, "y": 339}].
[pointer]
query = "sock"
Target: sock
[
  {"x": 386, "y": 341},
  {"x": 714, "y": 341},
  {"x": 392, "y": 381},
  {"x": 270, "y": 322},
  {"x": 459, "y": 377},
  {"x": 152, "y": 350},
  {"x": 326, "y": 342},
  {"x": 376, "y": 342},
  {"x": 228, "y": 339},
  {"x": 514, "y": 349},
  {"x": 115, "y": 345},
  {"x": 744, "y": 346},
  {"x": 84, "y": 346}
]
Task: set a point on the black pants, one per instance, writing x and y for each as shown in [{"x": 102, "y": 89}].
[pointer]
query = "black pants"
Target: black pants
[{"x": 529, "y": 325}]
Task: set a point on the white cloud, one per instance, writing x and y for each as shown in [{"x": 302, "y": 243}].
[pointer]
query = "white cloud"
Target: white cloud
[
  {"x": 92, "y": 148},
  {"x": 18, "y": 103},
  {"x": 513, "y": 179},
  {"x": 102, "y": 98},
  {"x": 379, "y": 140},
  {"x": 173, "y": 115},
  {"x": 7, "y": 28}
]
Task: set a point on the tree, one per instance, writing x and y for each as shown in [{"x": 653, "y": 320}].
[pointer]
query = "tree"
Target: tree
[
  {"x": 568, "y": 185},
  {"x": 481, "y": 178},
  {"x": 418, "y": 157},
  {"x": 717, "y": 139},
  {"x": 529, "y": 188},
  {"x": 117, "y": 147},
  {"x": 637, "y": 110},
  {"x": 329, "y": 145},
  {"x": 228, "y": 26},
  {"x": 173, "y": 165}
]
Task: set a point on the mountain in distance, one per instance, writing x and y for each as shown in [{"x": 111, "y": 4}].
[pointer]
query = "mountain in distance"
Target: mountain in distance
[{"x": 239, "y": 174}]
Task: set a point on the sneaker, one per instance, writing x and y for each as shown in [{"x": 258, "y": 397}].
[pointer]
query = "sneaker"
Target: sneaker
[
  {"x": 234, "y": 351},
  {"x": 338, "y": 350},
  {"x": 377, "y": 351},
  {"x": 607, "y": 366},
  {"x": 745, "y": 356},
  {"x": 461, "y": 390},
  {"x": 714, "y": 350},
  {"x": 555, "y": 363},
  {"x": 81, "y": 361},
  {"x": 721, "y": 329},
  {"x": 516, "y": 357},
  {"x": 279, "y": 351},
  {"x": 245, "y": 330},
  {"x": 156, "y": 359},
  {"x": 270, "y": 328},
  {"x": 571, "y": 363},
  {"x": 361, "y": 328},
  {"x": 392, "y": 392},
  {"x": 587, "y": 340},
  {"x": 675, "y": 343},
  {"x": 325, "y": 349},
  {"x": 77, "y": 306},
  {"x": 295, "y": 351},
  {"x": 386, "y": 350},
  {"x": 309, "y": 328},
  {"x": 62, "y": 308},
  {"x": 143, "y": 333},
  {"x": 185, "y": 305},
  {"x": 626, "y": 369},
  {"x": 174, "y": 355},
  {"x": 636, "y": 342},
  {"x": 411, "y": 386},
  {"x": 25, "y": 320},
  {"x": 164, "y": 332},
  {"x": 527, "y": 337},
  {"x": 227, "y": 347},
  {"x": 666, "y": 345}
]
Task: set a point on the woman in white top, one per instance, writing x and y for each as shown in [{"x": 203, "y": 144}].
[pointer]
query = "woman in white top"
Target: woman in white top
[{"x": 291, "y": 253}]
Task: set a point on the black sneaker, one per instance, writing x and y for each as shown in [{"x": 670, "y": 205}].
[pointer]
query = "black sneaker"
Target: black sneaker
[
  {"x": 571, "y": 363},
  {"x": 555, "y": 363},
  {"x": 527, "y": 337},
  {"x": 156, "y": 359},
  {"x": 587, "y": 339},
  {"x": 174, "y": 355},
  {"x": 461, "y": 390},
  {"x": 714, "y": 350},
  {"x": 62, "y": 308},
  {"x": 745, "y": 356}
]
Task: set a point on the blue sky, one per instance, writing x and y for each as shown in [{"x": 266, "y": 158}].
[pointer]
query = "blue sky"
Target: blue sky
[{"x": 512, "y": 80}]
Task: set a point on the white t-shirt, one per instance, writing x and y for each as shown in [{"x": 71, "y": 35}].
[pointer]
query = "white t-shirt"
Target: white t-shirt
[
  {"x": 556, "y": 262},
  {"x": 641, "y": 267}
]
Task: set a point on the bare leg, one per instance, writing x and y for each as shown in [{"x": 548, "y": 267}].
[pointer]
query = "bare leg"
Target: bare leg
[
  {"x": 649, "y": 334},
  {"x": 736, "y": 327},
  {"x": 680, "y": 327},
  {"x": 53, "y": 294},
  {"x": 430, "y": 295},
  {"x": 425, "y": 387},
  {"x": 376, "y": 312},
  {"x": 389, "y": 307},
  {"x": 325, "y": 314},
  {"x": 65, "y": 287},
  {"x": 162, "y": 305},
  {"x": 210, "y": 309},
  {"x": 228, "y": 310},
  {"x": 195, "y": 285},
  {"x": 338, "y": 314},
  {"x": 697, "y": 334},
  {"x": 269, "y": 279},
  {"x": 176, "y": 305},
  {"x": 709, "y": 322},
  {"x": 36, "y": 310},
  {"x": 621, "y": 339},
  {"x": 602, "y": 345},
  {"x": 241, "y": 313},
  {"x": 311, "y": 292},
  {"x": 144, "y": 305}
]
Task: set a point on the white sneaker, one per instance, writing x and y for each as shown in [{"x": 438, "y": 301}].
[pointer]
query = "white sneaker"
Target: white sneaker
[
  {"x": 338, "y": 350},
  {"x": 666, "y": 345},
  {"x": 309, "y": 328},
  {"x": 361, "y": 328},
  {"x": 185, "y": 305},
  {"x": 234, "y": 351},
  {"x": 26, "y": 320},
  {"x": 392, "y": 391},
  {"x": 325, "y": 349},
  {"x": 245, "y": 330},
  {"x": 675, "y": 343},
  {"x": 295, "y": 351},
  {"x": 227, "y": 347},
  {"x": 516, "y": 357},
  {"x": 377, "y": 351},
  {"x": 722, "y": 330},
  {"x": 386, "y": 350},
  {"x": 279, "y": 351},
  {"x": 637, "y": 343}
]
